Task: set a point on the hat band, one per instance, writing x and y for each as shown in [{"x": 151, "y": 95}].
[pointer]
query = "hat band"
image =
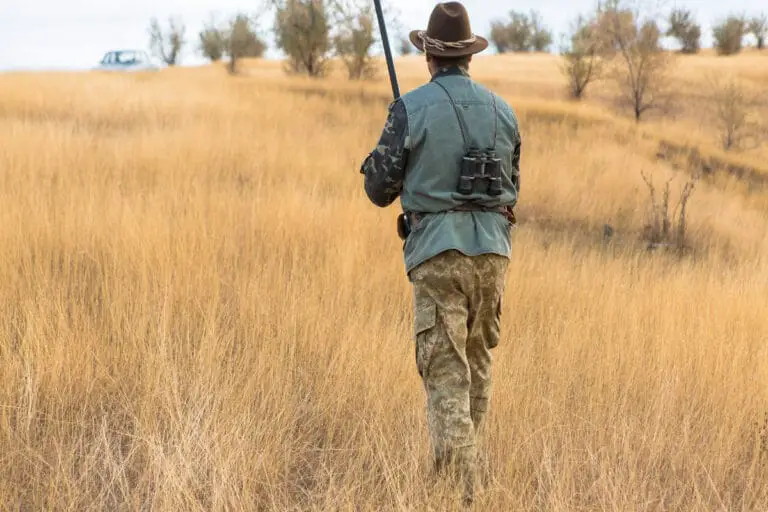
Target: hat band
[{"x": 433, "y": 44}]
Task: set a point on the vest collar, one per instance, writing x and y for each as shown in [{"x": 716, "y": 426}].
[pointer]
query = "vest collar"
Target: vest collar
[{"x": 450, "y": 71}]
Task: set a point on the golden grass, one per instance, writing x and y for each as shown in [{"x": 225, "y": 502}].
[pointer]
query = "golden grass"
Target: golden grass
[{"x": 201, "y": 311}]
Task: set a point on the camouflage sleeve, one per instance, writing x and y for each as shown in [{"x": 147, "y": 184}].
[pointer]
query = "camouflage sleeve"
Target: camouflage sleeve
[
  {"x": 384, "y": 168},
  {"x": 516, "y": 165}
]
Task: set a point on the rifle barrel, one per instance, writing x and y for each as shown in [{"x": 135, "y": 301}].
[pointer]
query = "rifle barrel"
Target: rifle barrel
[{"x": 387, "y": 50}]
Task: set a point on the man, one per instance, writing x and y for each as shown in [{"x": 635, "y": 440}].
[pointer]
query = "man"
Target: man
[{"x": 451, "y": 151}]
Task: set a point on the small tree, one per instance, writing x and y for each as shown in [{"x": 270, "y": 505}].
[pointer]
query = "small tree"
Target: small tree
[
  {"x": 541, "y": 37},
  {"x": 733, "y": 109},
  {"x": 684, "y": 28},
  {"x": 242, "y": 41},
  {"x": 638, "y": 65},
  {"x": 519, "y": 32},
  {"x": 758, "y": 27},
  {"x": 499, "y": 36},
  {"x": 581, "y": 61},
  {"x": 167, "y": 45},
  {"x": 212, "y": 42},
  {"x": 302, "y": 31},
  {"x": 354, "y": 40},
  {"x": 729, "y": 35}
]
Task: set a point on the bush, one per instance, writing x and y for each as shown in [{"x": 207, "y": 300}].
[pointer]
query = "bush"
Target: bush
[
  {"x": 667, "y": 228},
  {"x": 519, "y": 32},
  {"x": 499, "y": 36},
  {"x": 684, "y": 28},
  {"x": 303, "y": 29},
  {"x": 758, "y": 27},
  {"x": 540, "y": 38},
  {"x": 213, "y": 43},
  {"x": 729, "y": 36},
  {"x": 733, "y": 108},
  {"x": 242, "y": 41},
  {"x": 522, "y": 33}
]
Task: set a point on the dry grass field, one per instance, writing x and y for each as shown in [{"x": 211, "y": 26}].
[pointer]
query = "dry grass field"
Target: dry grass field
[{"x": 200, "y": 310}]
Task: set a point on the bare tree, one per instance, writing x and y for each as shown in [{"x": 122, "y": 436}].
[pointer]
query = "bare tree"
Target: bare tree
[
  {"x": 758, "y": 27},
  {"x": 729, "y": 35},
  {"x": 684, "y": 28},
  {"x": 212, "y": 42},
  {"x": 355, "y": 38},
  {"x": 167, "y": 45},
  {"x": 636, "y": 62},
  {"x": 242, "y": 41},
  {"x": 733, "y": 109},
  {"x": 302, "y": 30},
  {"x": 581, "y": 60}
]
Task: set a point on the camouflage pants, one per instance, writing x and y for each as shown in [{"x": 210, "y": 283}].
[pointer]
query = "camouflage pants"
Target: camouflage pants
[{"x": 457, "y": 302}]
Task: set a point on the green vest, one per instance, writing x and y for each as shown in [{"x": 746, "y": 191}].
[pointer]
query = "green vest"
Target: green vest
[{"x": 436, "y": 148}]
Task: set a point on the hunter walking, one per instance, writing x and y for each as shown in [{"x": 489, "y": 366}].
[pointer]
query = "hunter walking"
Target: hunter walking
[{"x": 450, "y": 150}]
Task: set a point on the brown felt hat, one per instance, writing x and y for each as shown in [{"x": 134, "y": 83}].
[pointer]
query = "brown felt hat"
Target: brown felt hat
[{"x": 449, "y": 33}]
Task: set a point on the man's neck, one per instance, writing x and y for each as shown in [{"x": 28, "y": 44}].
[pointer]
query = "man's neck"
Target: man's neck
[{"x": 450, "y": 71}]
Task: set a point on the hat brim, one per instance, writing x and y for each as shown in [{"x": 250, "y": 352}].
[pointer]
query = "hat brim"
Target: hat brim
[{"x": 478, "y": 46}]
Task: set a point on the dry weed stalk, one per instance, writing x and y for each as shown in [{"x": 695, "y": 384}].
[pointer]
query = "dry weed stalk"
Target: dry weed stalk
[{"x": 668, "y": 228}]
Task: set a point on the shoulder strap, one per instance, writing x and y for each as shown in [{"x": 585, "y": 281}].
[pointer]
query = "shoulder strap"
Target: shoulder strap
[
  {"x": 495, "y": 121},
  {"x": 463, "y": 126}
]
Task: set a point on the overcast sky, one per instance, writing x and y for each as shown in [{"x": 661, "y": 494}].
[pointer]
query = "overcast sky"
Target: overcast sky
[{"x": 56, "y": 34}]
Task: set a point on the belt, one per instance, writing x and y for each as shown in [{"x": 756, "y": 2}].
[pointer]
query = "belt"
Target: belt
[
  {"x": 507, "y": 211},
  {"x": 408, "y": 220}
]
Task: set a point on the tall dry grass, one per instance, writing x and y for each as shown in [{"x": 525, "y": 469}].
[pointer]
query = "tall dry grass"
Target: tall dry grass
[{"x": 200, "y": 310}]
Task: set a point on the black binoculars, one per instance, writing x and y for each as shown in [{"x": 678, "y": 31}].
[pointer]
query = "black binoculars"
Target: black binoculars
[{"x": 481, "y": 166}]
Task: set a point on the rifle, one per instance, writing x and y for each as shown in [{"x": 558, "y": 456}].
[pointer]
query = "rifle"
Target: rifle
[{"x": 387, "y": 50}]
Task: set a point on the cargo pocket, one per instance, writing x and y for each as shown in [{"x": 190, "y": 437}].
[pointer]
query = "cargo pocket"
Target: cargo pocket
[
  {"x": 495, "y": 332},
  {"x": 425, "y": 320}
]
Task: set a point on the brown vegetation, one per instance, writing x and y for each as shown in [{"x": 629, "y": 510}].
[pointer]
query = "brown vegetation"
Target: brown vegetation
[{"x": 201, "y": 311}]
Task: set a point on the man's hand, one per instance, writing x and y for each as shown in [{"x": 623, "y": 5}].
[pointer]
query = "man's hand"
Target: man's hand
[
  {"x": 384, "y": 167},
  {"x": 365, "y": 162}
]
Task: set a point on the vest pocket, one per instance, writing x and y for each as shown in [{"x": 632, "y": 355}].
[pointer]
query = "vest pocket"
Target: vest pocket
[{"x": 424, "y": 323}]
